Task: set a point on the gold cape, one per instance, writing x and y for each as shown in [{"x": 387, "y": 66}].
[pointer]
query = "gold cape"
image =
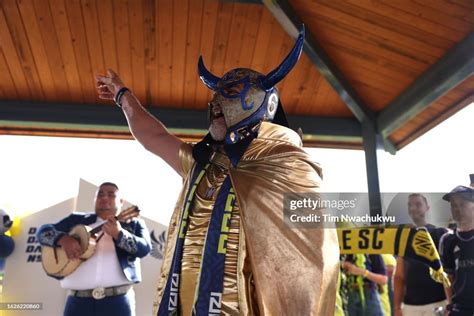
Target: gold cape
[{"x": 295, "y": 269}]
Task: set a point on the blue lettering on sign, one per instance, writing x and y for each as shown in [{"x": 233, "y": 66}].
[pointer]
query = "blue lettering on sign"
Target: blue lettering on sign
[
  {"x": 34, "y": 258},
  {"x": 33, "y": 248}
]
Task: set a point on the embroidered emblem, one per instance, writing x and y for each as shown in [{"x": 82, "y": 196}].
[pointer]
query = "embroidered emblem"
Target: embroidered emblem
[{"x": 127, "y": 242}]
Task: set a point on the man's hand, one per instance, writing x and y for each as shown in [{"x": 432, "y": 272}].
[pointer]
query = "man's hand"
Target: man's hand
[
  {"x": 352, "y": 268},
  {"x": 108, "y": 86},
  {"x": 145, "y": 127},
  {"x": 397, "y": 311},
  {"x": 71, "y": 246},
  {"x": 112, "y": 227}
]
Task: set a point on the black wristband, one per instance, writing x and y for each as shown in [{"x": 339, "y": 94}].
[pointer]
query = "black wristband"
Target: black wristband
[{"x": 119, "y": 95}]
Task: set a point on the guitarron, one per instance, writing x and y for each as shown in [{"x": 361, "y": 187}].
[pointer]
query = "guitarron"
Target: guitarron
[{"x": 54, "y": 259}]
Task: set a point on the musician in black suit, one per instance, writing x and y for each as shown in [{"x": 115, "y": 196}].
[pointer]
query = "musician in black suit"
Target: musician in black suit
[{"x": 101, "y": 285}]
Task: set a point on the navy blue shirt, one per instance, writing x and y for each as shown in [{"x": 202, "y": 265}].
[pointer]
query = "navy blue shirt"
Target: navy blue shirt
[
  {"x": 420, "y": 288},
  {"x": 457, "y": 255}
]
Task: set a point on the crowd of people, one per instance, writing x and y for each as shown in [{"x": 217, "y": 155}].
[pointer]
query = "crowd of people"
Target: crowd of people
[
  {"x": 394, "y": 285},
  {"x": 367, "y": 284}
]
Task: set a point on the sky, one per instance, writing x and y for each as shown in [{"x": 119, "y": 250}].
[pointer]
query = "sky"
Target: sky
[{"x": 38, "y": 172}]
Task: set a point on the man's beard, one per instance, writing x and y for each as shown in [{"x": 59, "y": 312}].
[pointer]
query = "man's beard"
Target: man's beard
[{"x": 218, "y": 129}]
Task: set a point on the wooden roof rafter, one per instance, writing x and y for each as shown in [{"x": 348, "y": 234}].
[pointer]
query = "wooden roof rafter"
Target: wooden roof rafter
[{"x": 50, "y": 51}]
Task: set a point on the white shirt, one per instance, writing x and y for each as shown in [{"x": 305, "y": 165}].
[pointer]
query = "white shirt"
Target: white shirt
[{"x": 101, "y": 270}]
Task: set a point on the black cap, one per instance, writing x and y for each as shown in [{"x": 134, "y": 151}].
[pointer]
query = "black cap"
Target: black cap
[{"x": 465, "y": 192}]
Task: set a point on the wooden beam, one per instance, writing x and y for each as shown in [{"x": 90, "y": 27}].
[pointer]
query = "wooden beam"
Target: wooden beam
[
  {"x": 447, "y": 73},
  {"x": 291, "y": 22},
  {"x": 109, "y": 118}
]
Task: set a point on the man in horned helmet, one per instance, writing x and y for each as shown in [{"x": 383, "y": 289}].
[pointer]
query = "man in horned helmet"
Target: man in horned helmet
[{"x": 228, "y": 250}]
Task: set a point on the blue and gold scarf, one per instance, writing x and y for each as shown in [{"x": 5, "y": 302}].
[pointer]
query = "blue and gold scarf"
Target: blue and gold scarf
[{"x": 208, "y": 297}]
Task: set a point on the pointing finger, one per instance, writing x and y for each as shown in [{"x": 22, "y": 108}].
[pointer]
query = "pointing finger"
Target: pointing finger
[
  {"x": 103, "y": 79},
  {"x": 111, "y": 73}
]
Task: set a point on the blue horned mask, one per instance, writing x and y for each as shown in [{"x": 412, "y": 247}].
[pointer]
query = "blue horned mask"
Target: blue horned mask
[{"x": 247, "y": 97}]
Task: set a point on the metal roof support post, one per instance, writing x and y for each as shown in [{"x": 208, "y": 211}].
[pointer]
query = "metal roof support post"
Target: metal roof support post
[{"x": 372, "y": 141}]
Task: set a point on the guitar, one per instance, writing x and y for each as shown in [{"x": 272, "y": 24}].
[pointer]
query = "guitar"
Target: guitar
[{"x": 54, "y": 259}]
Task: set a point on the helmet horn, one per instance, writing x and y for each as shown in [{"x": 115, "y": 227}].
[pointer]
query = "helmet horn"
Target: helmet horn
[
  {"x": 206, "y": 76},
  {"x": 277, "y": 74}
]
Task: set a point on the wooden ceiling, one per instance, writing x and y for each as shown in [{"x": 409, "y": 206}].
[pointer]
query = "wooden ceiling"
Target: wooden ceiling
[{"x": 50, "y": 51}]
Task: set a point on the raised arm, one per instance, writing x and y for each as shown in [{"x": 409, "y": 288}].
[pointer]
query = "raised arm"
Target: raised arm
[{"x": 147, "y": 129}]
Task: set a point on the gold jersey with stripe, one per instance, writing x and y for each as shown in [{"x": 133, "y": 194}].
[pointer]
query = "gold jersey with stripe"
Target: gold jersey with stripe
[{"x": 270, "y": 268}]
